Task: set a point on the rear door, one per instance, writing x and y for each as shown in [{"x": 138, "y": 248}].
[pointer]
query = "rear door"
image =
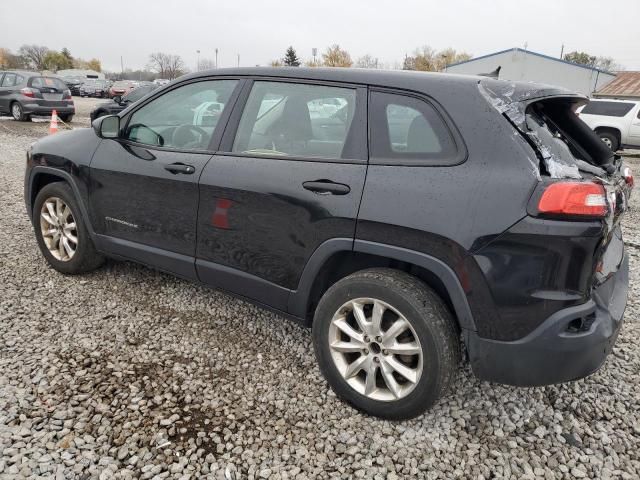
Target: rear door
[
  {"x": 7, "y": 83},
  {"x": 144, "y": 185},
  {"x": 634, "y": 128},
  {"x": 289, "y": 177}
]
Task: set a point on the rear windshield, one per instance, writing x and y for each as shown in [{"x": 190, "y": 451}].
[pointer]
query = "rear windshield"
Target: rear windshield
[
  {"x": 609, "y": 109},
  {"x": 39, "y": 82}
]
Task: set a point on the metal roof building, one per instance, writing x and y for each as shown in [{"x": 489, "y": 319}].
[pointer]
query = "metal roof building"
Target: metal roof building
[
  {"x": 625, "y": 85},
  {"x": 78, "y": 72},
  {"x": 524, "y": 65}
]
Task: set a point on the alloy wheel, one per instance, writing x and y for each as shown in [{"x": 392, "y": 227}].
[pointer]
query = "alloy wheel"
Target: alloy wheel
[
  {"x": 375, "y": 349},
  {"x": 58, "y": 228},
  {"x": 16, "y": 111},
  {"x": 607, "y": 142}
]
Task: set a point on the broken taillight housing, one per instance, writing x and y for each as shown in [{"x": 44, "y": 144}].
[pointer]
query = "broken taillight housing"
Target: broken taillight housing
[{"x": 574, "y": 199}]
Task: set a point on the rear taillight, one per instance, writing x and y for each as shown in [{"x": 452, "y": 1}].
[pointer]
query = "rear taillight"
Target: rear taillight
[
  {"x": 628, "y": 176},
  {"x": 27, "y": 92},
  {"x": 66, "y": 95},
  {"x": 574, "y": 199}
]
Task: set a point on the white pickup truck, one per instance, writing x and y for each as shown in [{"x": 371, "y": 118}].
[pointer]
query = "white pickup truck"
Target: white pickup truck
[{"x": 617, "y": 122}]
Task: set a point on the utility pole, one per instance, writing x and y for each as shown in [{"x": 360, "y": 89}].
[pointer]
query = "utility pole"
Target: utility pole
[
  {"x": 238, "y": 60},
  {"x": 121, "y": 68},
  {"x": 198, "y": 65},
  {"x": 562, "y": 52},
  {"x": 216, "y": 58},
  {"x": 314, "y": 52}
]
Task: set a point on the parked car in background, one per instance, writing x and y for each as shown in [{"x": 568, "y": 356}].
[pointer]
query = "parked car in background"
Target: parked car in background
[
  {"x": 429, "y": 210},
  {"x": 23, "y": 94},
  {"x": 94, "y": 88},
  {"x": 617, "y": 122},
  {"x": 117, "y": 104},
  {"x": 161, "y": 81},
  {"x": 121, "y": 87},
  {"x": 73, "y": 84}
]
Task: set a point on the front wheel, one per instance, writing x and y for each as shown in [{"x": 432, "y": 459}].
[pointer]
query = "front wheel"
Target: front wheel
[
  {"x": 386, "y": 343},
  {"x": 61, "y": 232}
]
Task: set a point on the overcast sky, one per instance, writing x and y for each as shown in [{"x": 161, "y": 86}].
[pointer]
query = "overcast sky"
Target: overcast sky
[{"x": 260, "y": 31}]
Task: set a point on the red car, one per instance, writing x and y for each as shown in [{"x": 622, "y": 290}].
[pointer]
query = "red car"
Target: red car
[{"x": 121, "y": 87}]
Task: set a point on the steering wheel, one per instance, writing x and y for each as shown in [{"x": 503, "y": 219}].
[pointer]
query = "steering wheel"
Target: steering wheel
[{"x": 188, "y": 136}]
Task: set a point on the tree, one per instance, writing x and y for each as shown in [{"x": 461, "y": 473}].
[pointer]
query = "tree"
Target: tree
[
  {"x": 34, "y": 55},
  {"x": 583, "y": 58},
  {"x": 94, "y": 64},
  {"x": 67, "y": 54},
  {"x": 207, "y": 64},
  {"x": 367, "y": 61},
  {"x": 11, "y": 61},
  {"x": 291, "y": 58},
  {"x": 167, "y": 65},
  {"x": 276, "y": 63},
  {"x": 449, "y": 56},
  {"x": 426, "y": 59},
  {"x": 336, "y": 57},
  {"x": 56, "y": 61}
]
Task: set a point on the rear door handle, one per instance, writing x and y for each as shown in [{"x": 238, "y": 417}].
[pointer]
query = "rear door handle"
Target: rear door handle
[
  {"x": 180, "y": 168},
  {"x": 326, "y": 187}
]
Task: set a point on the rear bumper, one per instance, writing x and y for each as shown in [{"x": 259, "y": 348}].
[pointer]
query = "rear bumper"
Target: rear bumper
[
  {"x": 553, "y": 352},
  {"x": 35, "y": 109}
]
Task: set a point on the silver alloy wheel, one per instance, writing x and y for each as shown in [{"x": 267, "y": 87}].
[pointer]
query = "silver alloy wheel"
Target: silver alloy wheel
[
  {"x": 375, "y": 349},
  {"x": 16, "y": 110},
  {"x": 607, "y": 142},
  {"x": 58, "y": 229}
]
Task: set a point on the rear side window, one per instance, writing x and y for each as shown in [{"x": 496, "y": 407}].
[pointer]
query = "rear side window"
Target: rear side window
[
  {"x": 47, "y": 82},
  {"x": 609, "y": 109},
  {"x": 408, "y": 130},
  {"x": 299, "y": 120},
  {"x": 9, "y": 80}
]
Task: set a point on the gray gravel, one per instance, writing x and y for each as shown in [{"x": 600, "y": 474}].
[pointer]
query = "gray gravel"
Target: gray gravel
[{"x": 130, "y": 373}]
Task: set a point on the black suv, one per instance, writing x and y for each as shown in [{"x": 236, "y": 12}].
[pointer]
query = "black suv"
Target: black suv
[{"x": 399, "y": 214}]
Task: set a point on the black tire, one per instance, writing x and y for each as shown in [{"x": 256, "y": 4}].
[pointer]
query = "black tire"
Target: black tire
[
  {"x": 429, "y": 317},
  {"x": 99, "y": 113},
  {"x": 67, "y": 118},
  {"x": 17, "y": 112},
  {"x": 610, "y": 139},
  {"x": 86, "y": 258}
]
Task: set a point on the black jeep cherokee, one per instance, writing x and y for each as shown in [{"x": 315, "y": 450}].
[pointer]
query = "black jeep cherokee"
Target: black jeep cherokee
[{"x": 399, "y": 214}]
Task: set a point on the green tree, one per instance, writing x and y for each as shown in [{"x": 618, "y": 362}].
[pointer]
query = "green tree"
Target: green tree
[
  {"x": 94, "y": 64},
  {"x": 291, "y": 58},
  {"x": 67, "y": 54},
  {"x": 56, "y": 61},
  {"x": 583, "y": 58}
]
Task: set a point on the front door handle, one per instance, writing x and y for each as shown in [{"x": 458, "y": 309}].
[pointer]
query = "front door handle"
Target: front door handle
[
  {"x": 180, "y": 168},
  {"x": 326, "y": 187}
]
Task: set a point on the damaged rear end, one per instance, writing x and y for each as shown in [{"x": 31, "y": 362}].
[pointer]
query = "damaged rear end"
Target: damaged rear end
[{"x": 561, "y": 272}]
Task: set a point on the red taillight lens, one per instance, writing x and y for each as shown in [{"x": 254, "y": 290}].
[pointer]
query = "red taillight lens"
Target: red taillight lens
[
  {"x": 27, "y": 92},
  {"x": 574, "y": 198},
  {"x": 66, "y": 95},
  {"x": 628, "y": 176}
]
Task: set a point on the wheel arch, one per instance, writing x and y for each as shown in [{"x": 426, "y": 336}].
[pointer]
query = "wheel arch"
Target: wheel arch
[
  {"x": 337, "y": 258},
  {"x": 41, "y": 176},
  {"x": 614, "y": 130}
]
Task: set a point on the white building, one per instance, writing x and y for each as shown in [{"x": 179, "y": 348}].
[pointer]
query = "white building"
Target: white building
[
  {"x": 523, "y": 65},
  {"x": 77, "y": 72}
]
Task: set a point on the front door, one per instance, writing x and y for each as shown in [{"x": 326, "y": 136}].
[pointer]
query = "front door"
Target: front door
[
  {"x": 288, "y": 180},
  {"x": 144, "y": 185}
]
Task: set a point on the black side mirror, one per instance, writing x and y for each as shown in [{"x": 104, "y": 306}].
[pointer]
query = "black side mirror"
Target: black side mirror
[
  {"x": 117, "y": 99},
  {"x": 107, "y": 127}
]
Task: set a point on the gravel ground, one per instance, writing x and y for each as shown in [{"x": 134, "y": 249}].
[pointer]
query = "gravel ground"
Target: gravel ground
[{"x": 130, "y": 373}]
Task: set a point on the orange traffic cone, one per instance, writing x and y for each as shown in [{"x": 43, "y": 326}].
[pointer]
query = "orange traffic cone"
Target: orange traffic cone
[{"x": 53, "y": 126}]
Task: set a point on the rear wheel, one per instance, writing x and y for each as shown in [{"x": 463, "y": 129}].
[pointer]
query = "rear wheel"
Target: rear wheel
[
  {"x": 610, "y": 140},
  {"x": 386, "y": 343},
  {"x": 61, "y": 232},
  {"x": 66, "y": 118},
  {"x": 18, "y": 112}
]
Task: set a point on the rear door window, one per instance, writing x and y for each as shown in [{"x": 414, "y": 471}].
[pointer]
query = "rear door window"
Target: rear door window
[
  {"x": 9, "y": 80},
  {"x": 406, "y": 129},
  {"x": 608, "y": 109},
  {"x": 296, "y": 120}
]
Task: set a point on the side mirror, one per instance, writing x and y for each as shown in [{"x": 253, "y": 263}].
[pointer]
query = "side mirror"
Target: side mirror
[
  {"x": 107, "y": 127},
  {"x": 117, "y": 99}
]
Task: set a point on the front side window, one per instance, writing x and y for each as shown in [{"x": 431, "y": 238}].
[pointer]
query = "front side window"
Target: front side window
[
  {"x": 408, "y": 129},
  {"x": 298, "y": 120},
  {"x": 183, "y": 118},
  {"x": 9, "y": 80}
]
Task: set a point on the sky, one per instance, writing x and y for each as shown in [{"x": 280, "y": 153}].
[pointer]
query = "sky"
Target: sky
[{"x": 260, "y": 31}]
